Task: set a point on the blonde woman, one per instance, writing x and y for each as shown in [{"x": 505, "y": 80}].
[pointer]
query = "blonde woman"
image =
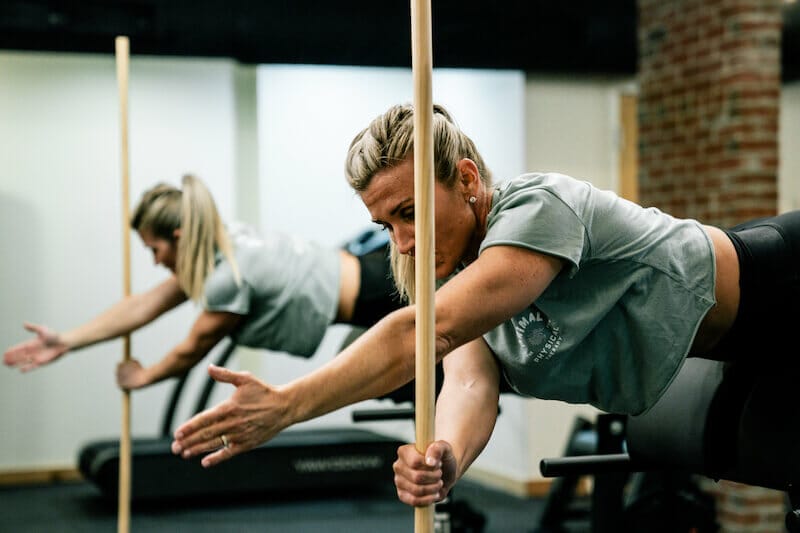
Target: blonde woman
[
  {"x": 277, "y": 293},
  {"x": 567, "y": 291}
]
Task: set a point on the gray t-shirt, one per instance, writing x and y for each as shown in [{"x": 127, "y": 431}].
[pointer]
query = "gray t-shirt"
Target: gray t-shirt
[
  {"x": 614, "y": 327},
  {"x": 289, "y": 291}
]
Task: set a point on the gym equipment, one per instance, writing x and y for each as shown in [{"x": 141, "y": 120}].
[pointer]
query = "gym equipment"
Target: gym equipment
[
  {"x": 621, "y": 501},
  {"x": 295, "y": 461},
  {"x": 367, "y": 240},
  {"x": 298, "y": 461},
  {"x": 721, "y": 420}
]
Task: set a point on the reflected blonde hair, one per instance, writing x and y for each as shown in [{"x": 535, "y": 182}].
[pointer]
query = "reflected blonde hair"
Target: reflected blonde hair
[
  {"x": 164, "y": 208},
  {"x": 388, "y": 141}
]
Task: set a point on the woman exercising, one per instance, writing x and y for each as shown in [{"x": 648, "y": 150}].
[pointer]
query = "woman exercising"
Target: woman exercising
[
  {"x": 567, "y": 291},
  {"x": 277, "y": 293}
]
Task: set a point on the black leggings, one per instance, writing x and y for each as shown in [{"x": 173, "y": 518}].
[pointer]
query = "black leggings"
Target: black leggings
[
  {"x": 377, "y": 295},
  {"x": 767, "y": 321}
]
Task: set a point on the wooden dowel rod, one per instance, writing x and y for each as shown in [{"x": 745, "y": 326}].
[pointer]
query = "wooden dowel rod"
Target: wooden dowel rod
[
  {"x": 424, "y": 245},
  {"x": 122, "y": 50}
]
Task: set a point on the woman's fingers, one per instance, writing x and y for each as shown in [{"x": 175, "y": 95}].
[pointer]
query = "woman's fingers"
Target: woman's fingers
[
  {"x": 198, "y": 428},
  {"x": 223, "y": 454},
  {"x": 23, "y": 355},
  {"x": 33, "y": 328},
  {"x": 252, "y": 415},
  {"x": 223, "y": 375},
  {"x": 418, "y": 483},
  {"x": 129, "y": 374},
  {"x": 419, "y": 487},
  {"x": 202, "y": 432}
]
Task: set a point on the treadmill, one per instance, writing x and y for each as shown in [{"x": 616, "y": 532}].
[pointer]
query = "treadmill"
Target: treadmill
[{"x": 296, "y": 461}]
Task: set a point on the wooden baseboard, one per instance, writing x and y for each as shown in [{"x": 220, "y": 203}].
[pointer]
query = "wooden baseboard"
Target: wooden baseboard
[
  {"x": 38, "y": 477},
  {"x": 534, "y": 488}
]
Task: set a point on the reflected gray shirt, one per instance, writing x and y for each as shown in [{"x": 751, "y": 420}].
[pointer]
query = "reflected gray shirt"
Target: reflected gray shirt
[
  {"x": 615, "y": 325},
  {"x": 289, "y": 292}
]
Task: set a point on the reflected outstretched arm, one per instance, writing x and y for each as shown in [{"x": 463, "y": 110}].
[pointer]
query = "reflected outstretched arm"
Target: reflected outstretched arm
[{"x": 122, "y": 318}]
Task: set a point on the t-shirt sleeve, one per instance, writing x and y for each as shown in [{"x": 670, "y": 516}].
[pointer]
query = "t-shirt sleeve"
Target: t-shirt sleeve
[
  {"x": 537, "y": 219},
  {"x": 222, "y": 293}
]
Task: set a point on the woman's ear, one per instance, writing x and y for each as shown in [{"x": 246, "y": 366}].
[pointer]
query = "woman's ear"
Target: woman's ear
[
  {"x": 468, "y": 174},
  {"x": 176, "y": 234}
]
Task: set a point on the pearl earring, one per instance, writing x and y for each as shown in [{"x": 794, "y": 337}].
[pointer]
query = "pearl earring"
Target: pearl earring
[{"x": 472, "y": 199}]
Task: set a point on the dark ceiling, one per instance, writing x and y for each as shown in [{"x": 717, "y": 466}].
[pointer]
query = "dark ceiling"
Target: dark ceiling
[{"x": 580, "y": 36}]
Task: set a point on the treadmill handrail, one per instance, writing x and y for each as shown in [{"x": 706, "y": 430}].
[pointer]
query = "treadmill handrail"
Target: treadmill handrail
[
  {"x": 202, "y": 402},
  {"x": 222, "y": 360}
]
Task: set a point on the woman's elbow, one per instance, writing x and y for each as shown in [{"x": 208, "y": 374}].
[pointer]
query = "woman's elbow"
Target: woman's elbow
[{"x": 444, "y": 345}]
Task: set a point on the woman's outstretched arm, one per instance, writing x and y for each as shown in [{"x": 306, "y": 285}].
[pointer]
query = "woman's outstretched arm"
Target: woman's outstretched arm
[
  {"x": 501, "y": 282},
  {"x": 127, "y": 315}
]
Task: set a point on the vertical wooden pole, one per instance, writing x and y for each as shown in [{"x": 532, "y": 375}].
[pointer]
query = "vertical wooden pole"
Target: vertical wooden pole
[
  {"x": 122, "y": 56},
  {"x": 424, "y": 244}
]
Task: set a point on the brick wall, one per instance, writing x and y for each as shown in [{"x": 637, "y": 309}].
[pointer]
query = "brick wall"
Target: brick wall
[
  {"x": 709, "y": 95},
  {"x": 746, "y": 509},
  {"x": 709, "y": 81}
]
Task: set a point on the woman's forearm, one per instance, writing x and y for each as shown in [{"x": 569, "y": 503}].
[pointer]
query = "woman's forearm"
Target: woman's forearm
[
  {"x": 466, "y": 422},
  {"x": 177, "y": 362},
  {"x": 120, "y": 319},
  {"x": 126, "y": 316},
  {"x": 466, "y": 409},
  {"x": 209, "y": 328}
]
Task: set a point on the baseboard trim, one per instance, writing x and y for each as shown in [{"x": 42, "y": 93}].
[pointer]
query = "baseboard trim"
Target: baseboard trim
[
  {"x": 533, "y": 488},
  {"x": 39, "y": 477},
  {"x": 515, "y": 487}
]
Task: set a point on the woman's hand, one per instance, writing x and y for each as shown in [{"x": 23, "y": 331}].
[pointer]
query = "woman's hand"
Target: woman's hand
[
  {"x": 254, "y": 414},
  {"x": 131, "y": 375},
  {"x": 424, "y": 480},
  {"x": 45, "y": 348}
]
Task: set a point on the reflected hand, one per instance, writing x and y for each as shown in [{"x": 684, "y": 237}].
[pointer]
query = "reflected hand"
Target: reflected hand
[
  {"x": 424, "y": 480},
  {"x": 131, "y": 375},
  {"x": 46, "y": 347},
  {"x": 254, "y": 414}
]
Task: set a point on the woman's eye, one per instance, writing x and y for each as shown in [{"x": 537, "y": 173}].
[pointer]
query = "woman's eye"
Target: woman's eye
[{"x": 408, "y": 214}]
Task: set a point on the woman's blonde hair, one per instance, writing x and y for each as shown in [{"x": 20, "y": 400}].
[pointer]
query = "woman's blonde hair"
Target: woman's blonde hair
[
  {"x": 388, "y": 141},
  {"x": 164, "y": 208}
]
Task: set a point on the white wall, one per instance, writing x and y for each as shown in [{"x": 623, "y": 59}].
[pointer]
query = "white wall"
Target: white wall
[
  {"x": 60, "y": 227},
  {"x": 572, "y": 127},
  {"x": 789, "y": 148}
]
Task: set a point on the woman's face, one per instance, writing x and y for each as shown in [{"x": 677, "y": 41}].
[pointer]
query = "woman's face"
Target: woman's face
[
  {"x": 165, "y": 251},
  {"x": 390, "y": 200}
]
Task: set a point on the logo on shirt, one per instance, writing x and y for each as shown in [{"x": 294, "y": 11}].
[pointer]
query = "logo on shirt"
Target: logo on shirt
[{"x": 537, "y": 334}]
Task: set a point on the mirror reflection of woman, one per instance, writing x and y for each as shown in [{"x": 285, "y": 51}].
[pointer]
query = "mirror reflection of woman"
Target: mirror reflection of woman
[{"x": 277, "y": 293}]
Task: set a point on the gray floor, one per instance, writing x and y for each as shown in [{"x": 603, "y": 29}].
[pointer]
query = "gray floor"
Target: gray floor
[{"x": 79, "y": 507}]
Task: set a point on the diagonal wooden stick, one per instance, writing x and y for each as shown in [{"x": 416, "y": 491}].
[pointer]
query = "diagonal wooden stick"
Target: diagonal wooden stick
[
  {"x": 424, "y": 245},
  {"x": 123, "y": 517}
]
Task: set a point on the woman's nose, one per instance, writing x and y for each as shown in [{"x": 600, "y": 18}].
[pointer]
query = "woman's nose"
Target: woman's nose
[{"x": 404, "y": 240}]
